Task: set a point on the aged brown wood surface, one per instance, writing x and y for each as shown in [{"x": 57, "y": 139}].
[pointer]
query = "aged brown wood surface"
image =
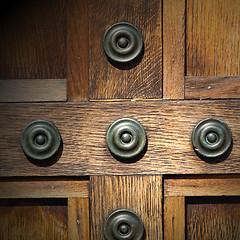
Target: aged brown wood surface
[
  {"x": 212, "y": 38},
  {"x": 83, "y": 127},
  {"x": 202, "y": 187},
  {"x": 141, "y": 194},
  {"x": 212, "y": 87},
  {"x": 174, "y": 218},
  {"x": 33, "y": 219},
  {"x": 44, "y": 188},
  {"x": 32, "y": 43},
  {"x": 213, "y": 218},
  {"x": 173, "y": 49},
  {"x": 142, "y": 81},
  {"x": 77, "y": 50},
  {"x": 78, "y": 218},
  {"x": 33, "y": 90}
]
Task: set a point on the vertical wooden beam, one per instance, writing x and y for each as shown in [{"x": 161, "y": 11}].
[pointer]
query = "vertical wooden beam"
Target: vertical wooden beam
[
  {"x": 141, "y": 194},
  {"x": 77, "y": 50},
  {"x": 78, "y": 218},
  {"x": 174, "y": 218},
  {"x": 173, "y": 49}
]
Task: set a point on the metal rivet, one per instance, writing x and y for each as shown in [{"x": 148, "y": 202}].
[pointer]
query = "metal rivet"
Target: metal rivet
[
  {"x": 122, "y": 42},
  {"x": 123, "y": 224},
  {"x": 40, "y": 140},
  {"x": 126, "y": 138},
  {"x": 211, "y": 138}
]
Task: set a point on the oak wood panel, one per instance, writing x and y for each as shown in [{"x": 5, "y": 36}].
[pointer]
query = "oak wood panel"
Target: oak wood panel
[
  {"x": 83, "y": 127},
  {"x": 213, "y": 218},
  {"x": 77, "y": 50},
  {"x": 173, "y": 49},
  {"x": 174, "y": 218},
  {"x": 212, "y": 38},
  {"x": 212, "y": 87},
  {"x": 142, "y": 81},
  {"x": 78, "y": 218},
  {"x": 44, "y": 189},
  {"x": 32, "y": 43},
  {"x": 33, "y": 219},
  {"x": 141, "y": 194},
  {"x": 202, "y": 187},
  {"x": 33, "y": 90}
]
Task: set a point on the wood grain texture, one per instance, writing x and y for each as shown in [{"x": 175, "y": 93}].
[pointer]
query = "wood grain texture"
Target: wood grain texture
[
  {"x": 83, "y": 126},
  {"x": 173, "y": 49},
  {"x": 141, "y": 81},
  {"x": 174, "y": 218},
  {"x": 212, "y": 38},
  {"x": 33, "y": 90},
  {"x": 202, "y": 187},
  {"x": 78, "y": 218},
  {"x": 212, "y": 87},
  {"x": 44, "y": 189},
  {"x": 33, "y": 219},
  {"x": 32, "y": 43},
  {"x": 141, "y": 194},
  {"x": 77, "y": 50},
  {"x": 213, "y": 218}
]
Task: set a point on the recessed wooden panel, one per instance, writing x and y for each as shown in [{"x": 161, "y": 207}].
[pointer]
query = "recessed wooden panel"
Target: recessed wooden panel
[
  {"x": 33, "y": 90},
  {"x": 32, "y": 43},
  {"x": 213, "y": 218},
  {"x": 141, "y": 194},
  {"x": 142, "y": 81},
  {"x": 212, "y": 38},
  {"x": 83, "y": 127},
  {"x": 33, "y": 219}
]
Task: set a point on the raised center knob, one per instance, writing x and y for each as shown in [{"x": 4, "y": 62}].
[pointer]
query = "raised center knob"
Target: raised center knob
[
  {"x": 124, "y": 229},
  {"x": 122, "y": 42},
  {"x": 212, "y": 137},
  {"x": 126, "y": 137},
  {"x": 40, "y": 139}
]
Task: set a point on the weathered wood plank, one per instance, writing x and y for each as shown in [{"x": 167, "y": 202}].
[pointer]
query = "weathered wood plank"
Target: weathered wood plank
[
  {"x": 77, "y": 50},
  {"x": 44, "y": 189},
  {"x": 174, "y": 218},
  {"x": 33, "y": 40},
  {"x": 78, "y": 218},
  {"x": 212, "y": 87},
  {"x": 83, "y": 127},
  {"x": 129, "y": 81},
  {"x": 33, "y": 90},
  {"x": 202, "y": 187},
  {"x": 141, "y": 194},
  {"x": 212, "y": 38},
  {"x": 173, "y": 49}
]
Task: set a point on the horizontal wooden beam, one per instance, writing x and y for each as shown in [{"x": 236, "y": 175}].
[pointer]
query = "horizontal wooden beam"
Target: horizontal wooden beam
[
  {"x": 33, "y": 90},
  {"x": 83, "y": 126},
  {"x": 212, "y": 87},
  {"x": 202, "y": 187},
  {"x": 44, "y": 189}
]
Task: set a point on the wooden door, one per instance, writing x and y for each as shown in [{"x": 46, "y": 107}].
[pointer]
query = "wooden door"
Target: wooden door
[{"x": 53, "y": 67}]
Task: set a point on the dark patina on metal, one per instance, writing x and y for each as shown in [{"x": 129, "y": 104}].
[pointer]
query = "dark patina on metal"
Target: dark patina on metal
[
  {"x": 40, "y": 140},
  {"x": 126, "y": 138},
  {"x": 211, "y": 138},
  {"x": 123, "y": 224},
  {"x": 122, "y": 42}
]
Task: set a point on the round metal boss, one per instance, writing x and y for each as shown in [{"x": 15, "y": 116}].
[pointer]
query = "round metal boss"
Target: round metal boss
[
  {"x": 211, "y": 137},
  {"x": 40, "y": 140},
  {"x": 122, "y": 42},
  {"x": 123, "y": 224},
  {"x": 126, "y": 138}
]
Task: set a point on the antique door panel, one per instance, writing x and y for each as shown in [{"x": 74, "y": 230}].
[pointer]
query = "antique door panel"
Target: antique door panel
[{"x": 53, "y": 67}]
